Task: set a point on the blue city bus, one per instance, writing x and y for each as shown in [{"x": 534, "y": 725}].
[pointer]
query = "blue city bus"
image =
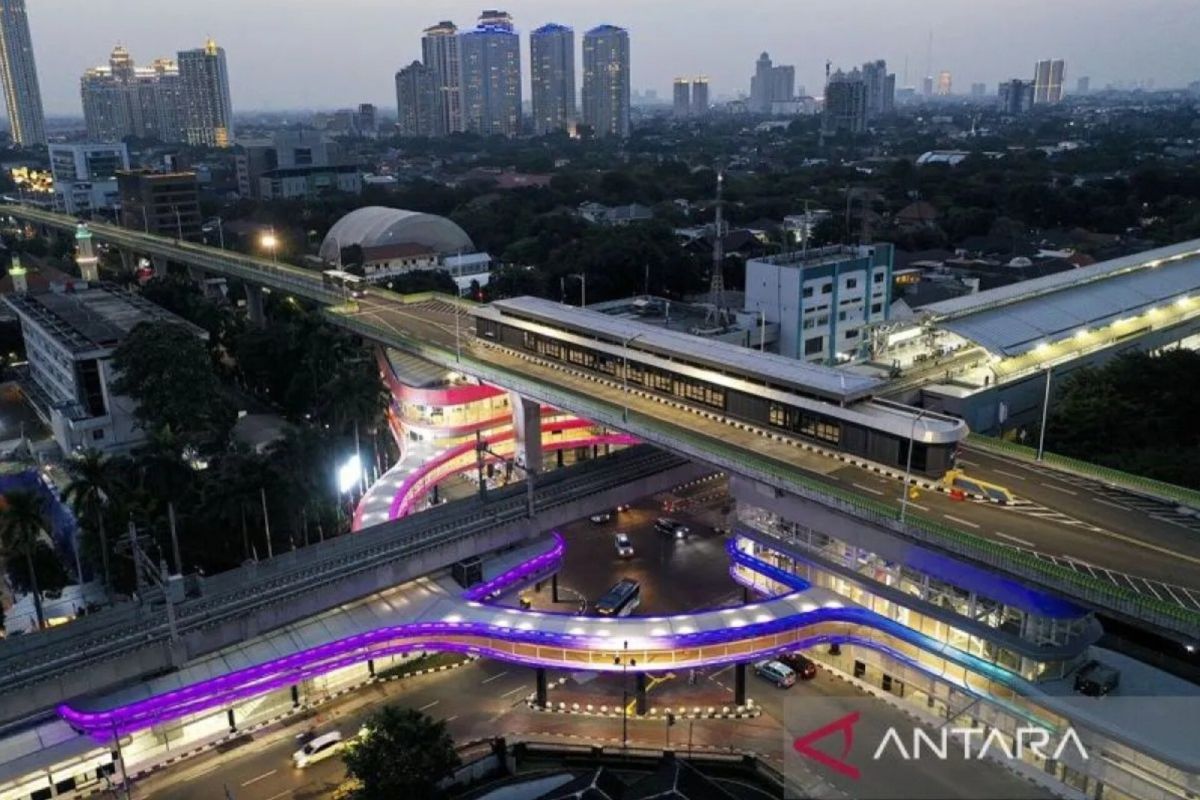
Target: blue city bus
[{"x": 620, "y": 600}]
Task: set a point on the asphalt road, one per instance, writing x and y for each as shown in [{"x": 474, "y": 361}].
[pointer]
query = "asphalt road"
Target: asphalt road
[{"x": 1108, "y": 530}]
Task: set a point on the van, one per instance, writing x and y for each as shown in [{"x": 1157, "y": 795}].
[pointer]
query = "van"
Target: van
[
  {"x": 776, "y": 672},
  {"x": 1096, "y": 680},
  {"x": 322, "y": 747}
]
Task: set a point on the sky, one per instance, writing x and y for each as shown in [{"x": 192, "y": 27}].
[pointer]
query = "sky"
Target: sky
[{"x": 293, "y": 54}]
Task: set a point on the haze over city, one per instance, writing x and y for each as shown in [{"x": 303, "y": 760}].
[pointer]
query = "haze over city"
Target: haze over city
[{"x": 285, "y": 54}]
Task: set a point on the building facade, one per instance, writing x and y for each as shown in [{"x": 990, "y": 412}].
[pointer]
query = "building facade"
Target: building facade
[
  {"x": 1016, "y": 96},
  {"x": 18, "y": 75},
  {"x": 880, "y": 87},
  {"x": 552, "y": 77},
  {"x": 289, "y": 183},
  {"x": 121, "y": 100},
  {"x": 771, "y": 84},
  {"x": 208, "y": 109},
  {"x": 1048, "y": 78},
  {"x": 440, "y": 54},
  {"x": 845, "y": 103},
  {"x": 85, "y": 177},
  {"x": 682, "y": 99},
  {"x": 418, "y": 107},
  {"x": 700, "y": 96},
  {"x": 606, "y": 92},
  {"x": 822, "y": 299},
  {"x": 491, "y": 77},
  {"x": 165, "y": 203},
  {"x": 70, "y": 335}
]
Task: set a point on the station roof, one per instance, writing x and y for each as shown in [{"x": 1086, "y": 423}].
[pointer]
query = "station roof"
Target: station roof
[
  {"x": 1012, "y": 320},
  {"x": 813, "y": 379}
]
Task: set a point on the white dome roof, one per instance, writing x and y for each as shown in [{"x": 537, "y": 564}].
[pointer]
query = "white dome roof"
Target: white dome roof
[{"x": 372, "y": 226}]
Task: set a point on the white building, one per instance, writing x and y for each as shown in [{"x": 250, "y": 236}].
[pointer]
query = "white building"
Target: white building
[
  {"x": 822, "y": 299},
  {"x": 85, "y": 176},
  {"x": 70, "y": 335},
  {"x": 469, "y": 267}
]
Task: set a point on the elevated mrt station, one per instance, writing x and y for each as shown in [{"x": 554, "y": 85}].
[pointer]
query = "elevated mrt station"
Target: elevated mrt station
[{"x": 984, "y": 357}]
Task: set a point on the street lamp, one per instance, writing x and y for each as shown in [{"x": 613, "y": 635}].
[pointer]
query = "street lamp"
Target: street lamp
[
  {"x": 625, "y": 664},
  {"x": 625, "y": 374},
  {"x": 178, "y": 224},
  {"x": 271, "y": 242},
  {"x": 912, "y": 435},
  {"x": 220, "y": 230},
  {"x": 1045, "y": 413}
]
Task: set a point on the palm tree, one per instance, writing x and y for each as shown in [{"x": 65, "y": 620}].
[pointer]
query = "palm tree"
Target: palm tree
[
  {"x": 88, "y": 493},
  {"x": 21, "y": 528}
]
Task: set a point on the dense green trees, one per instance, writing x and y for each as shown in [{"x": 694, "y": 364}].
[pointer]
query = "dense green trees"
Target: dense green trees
[
  {"x": 22, "y": 524},
  {"x": 1136, "y": 413},
  {"x": 401, "y": 754}
]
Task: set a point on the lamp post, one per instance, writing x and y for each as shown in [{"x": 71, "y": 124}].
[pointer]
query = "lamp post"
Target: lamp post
[
  {"x": 178, "y": 224},
  {"x": 625, "y": 374},
  {"x": 625, "y": 663},
  {"x": 1045, "y": 413},
  {"x": 271, "y": 242},
  {"x": 220, "y": 230},
  {"x": 912, "y": 435}
]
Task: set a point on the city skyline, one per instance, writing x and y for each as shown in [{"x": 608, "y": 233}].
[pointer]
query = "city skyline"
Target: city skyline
[{"x": 378, "y": 38}]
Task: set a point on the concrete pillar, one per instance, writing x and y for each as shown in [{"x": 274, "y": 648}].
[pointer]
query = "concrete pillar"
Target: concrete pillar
[
  {"x": 527, "y": 425},
  {"x": 197, "y": 274},
  {"x": 739, "y": 684},
  {"x": 541, "y": 688},
  {"x": 160, "y": 266},
  {"x": 254, "y": 305},
  {"x": 640, "y": 694},
  {"x": 85, "y": 254}
]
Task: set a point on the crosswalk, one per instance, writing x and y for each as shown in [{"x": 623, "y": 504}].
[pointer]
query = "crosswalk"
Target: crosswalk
[{"x": 1159, "y": 590}]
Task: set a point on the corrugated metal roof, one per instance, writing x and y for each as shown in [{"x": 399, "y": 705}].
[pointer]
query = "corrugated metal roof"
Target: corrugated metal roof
[
  {"x": 415, "y": 372},
  {"x": 1014, "y": 319}
]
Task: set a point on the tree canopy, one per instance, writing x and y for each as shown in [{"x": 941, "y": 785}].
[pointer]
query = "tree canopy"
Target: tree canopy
[{"x": 402, "y": 754}]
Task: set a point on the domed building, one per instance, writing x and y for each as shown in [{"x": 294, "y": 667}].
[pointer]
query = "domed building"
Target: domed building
[{"x": 394, "y": 240}]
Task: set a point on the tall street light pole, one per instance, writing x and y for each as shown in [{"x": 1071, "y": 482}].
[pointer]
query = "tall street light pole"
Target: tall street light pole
[
  {"x": 1045, "y": 413},
  {"x": 625, "y": 663},
  {"x": 912, "y": 435},
  {"x": 625, "y": 374}
]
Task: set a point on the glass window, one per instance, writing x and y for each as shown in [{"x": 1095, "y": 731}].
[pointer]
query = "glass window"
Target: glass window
[
  {"x": 851, "y": 283},
  {"x": 814, "y": 346},
  {"x": 808, "y": 291},
  {"x": 826, "y": 288}
]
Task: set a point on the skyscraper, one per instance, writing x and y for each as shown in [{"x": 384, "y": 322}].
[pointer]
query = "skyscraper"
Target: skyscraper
[
  {"x": 552, "y": 77},
  {"x": 491, "y": 76},
  {"x": 417, "y": 105},
  {"x": 606, "y": 80},
  {"x": 978, "y": 89},
  {"x": 1083, "y": 85},
  {"x": 1048, "y": 81},
  {"x": 927, "y": 86},
  {"x": 1016, "y": 96},
  {"x": 699, "y": 96},
  {"x": 18, "y": 73},
  {"x": 881, "y": 88},
  {"x": 845, "y": 103},
  {"x": 441, "y": 55},
  {"x": 683, "y": 98},
  {"x": 208, "y": 111},
  {"x": 771, "y": 84},
  {"x": 121, "y": 99}
]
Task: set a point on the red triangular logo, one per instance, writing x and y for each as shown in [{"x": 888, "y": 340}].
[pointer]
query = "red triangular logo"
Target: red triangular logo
[{"x": 845, "y": 726}]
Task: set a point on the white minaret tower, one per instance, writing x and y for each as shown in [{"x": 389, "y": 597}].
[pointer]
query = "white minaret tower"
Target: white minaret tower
[
  {"x": 17, "y": 272},
  {"x": 85, "y": 254}
]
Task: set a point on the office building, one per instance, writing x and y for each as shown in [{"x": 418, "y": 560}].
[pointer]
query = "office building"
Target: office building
[
  {"x": 491, "y": 76},
  {"x": 682, "y": 98},
  {"x": 287, "y": 149},
  {"x": 1048, "y": 81},
  {"x": 770, "y": 84},
  {"x": 70, "y": 333},
  {"x": 165, "y": 203},
  {"x": 606, "y": 92},
  {"x": 822, "y": 299},
  {"x": 845, "y": 103},
  {"x": 978, "y": 90},
  {"x": 699, "y": 96},
  {"x": 880, "y": 87},
  {"x": 309, "y": 182},
  {"x": 18, "y": 74},
  {"x": 208, "y": 110},
  {"x": 1083, "y": 85},
  {"x": 121, "y": 99},
  {"x": 417, "y": 104},
  {"x": 85, "y": 177},
  {"x": 944, "y": 83},
  {"x": 441, "y": 55},
  {"x": 552, "y": 77},
  {"x": 366, "y": 121},
  {"x": 1016, "y": 96},
  {"x": 927, "y": 86}
]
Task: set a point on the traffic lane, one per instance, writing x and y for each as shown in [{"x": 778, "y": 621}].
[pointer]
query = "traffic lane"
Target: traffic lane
[
  {"x": 675, "y": 575},
  {"x": 469, "y": 698},
  {"x": 1119, "y": 551},
  {"x": 1017, "y": 527}
]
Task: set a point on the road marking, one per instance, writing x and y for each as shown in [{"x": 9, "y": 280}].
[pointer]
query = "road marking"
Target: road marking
[
  {"x": 968, "y": 463},
  {"x": 514, "y": 691},
  {"x": 867, "y": 489},
  {"x": 1016, "y": 539},
  {"x": 1009, "y": 474},
  {"x": 1102, "y": 501},
  {"x": 960, "y": 521},
  {"x": 428, "y": 706},
  {"x": 914, "y": 505},
  {"x": 284, "y": 793},
  {"x": 450, "y": 719},
  {"x": 262, "y": 777},
  {"x": 494, "y": 677},
  {"x": 1059, "y": 489}
]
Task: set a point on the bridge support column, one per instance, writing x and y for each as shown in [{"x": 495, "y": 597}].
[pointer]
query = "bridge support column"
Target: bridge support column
[
  {"x": 128, "y": 260},
  {"x": 254, "y": 305},
  {"x": 641, "y": 704},
  {"x": 527, "y": 424},
  {"x": 739, "y": 684},
  {"x": 160, "y": 266},
  {"x": 541, "y": 688}
]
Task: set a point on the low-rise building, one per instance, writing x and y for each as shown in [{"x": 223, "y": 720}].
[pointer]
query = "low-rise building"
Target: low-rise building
[
  {"x": 288, "y": 183},
  {"x": 165, "y": 203},
  {"x": 85, "y": 176},
  {"x": 601, "y": 214},
  {"x": 71, "y": 332}
]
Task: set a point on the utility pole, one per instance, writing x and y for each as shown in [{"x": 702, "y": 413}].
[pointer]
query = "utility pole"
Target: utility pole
[
  {"x": 121, "y": 761},
  {"x": 174, "y": 538},
  {"x": 1045, "y": 413},
  {"x": 262, "y": 493}
]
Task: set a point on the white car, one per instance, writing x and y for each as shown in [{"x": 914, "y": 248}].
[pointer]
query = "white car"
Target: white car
[
  {"x": 601, "y": 518},
  {"x": 322, "y": 747},
  {"x": 624, "y": 546}
]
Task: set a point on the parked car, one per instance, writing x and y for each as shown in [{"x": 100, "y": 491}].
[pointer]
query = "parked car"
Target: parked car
[
  {"x": 777, "y": 673},
  {"x": 601, "y": 518},
  {"x": 319, "y": 748},
  {"x": 624, "y": 546},
  {"x": 804, "y": 667}
]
